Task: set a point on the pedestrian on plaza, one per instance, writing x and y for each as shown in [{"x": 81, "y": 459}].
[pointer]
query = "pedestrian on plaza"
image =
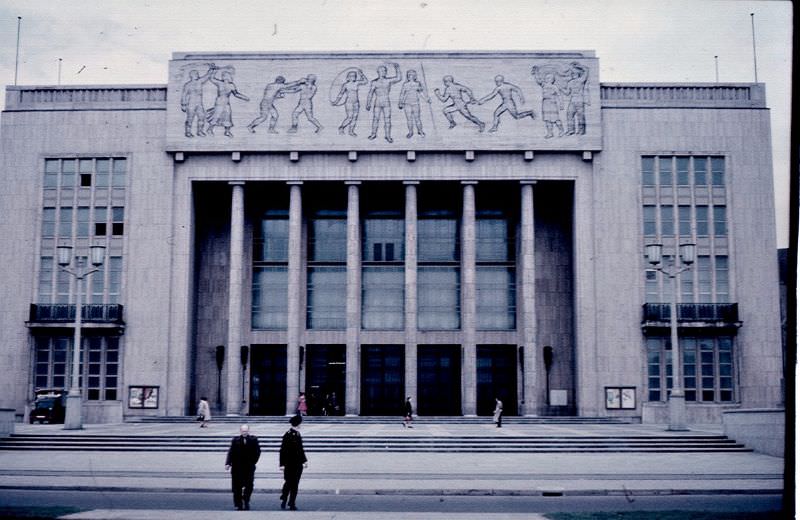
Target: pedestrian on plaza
[
  {"x": 203, "y": 412},
  {"x": 241, "y": 462},
  {"x": 498, "y": 412},
  {"x": 292, "y": 461},
  {"x": 408, "y": 416},
  {"x": 302, "y": 405}
]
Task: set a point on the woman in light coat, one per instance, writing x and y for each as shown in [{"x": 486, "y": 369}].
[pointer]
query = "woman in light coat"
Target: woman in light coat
[
  {"x": 204, "y": 412},
  {"x": 498, "y": 412}
]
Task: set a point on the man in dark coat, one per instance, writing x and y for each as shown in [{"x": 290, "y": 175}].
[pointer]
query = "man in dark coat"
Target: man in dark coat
[
  {"x": 292, "y": 461},
  {"x": 241, "y": 461}
]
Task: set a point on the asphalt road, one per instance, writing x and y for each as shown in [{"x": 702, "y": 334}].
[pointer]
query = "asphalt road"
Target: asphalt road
[{"x": 216, "y": 501}]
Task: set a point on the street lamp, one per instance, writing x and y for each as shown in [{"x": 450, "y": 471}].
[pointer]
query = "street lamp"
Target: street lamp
[
  {"x": 72, "y": 417},
  {"x": 677, "y": 399}
]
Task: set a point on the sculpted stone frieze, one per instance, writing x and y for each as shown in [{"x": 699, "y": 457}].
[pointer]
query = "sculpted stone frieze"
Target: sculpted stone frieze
[{"x": 461, "y": 101}]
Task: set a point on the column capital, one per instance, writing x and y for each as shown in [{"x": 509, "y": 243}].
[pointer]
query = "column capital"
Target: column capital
[
  {"x": 236, "y": 183},
  {"x": 412, "y": 183},
  {"x": 469, "y": 183},
  {"x": 294, "y": 183},
  {"x": 527, "y": 183},
  {"x": 352, "y": 183}
]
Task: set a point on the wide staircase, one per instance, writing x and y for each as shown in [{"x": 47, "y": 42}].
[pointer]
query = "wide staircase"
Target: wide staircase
[{"x": 561, "y": 435}]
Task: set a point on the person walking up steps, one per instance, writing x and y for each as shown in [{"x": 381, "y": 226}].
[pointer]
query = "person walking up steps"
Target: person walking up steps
[
  {"x": 498, "y": 412},
  {"x": 409, "y": 414},
  {"x": 203, "y": 412},
  {"x": 292, "y": 461}
]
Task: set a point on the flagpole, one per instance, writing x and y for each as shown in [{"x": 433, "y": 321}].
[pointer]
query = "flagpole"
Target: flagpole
[
  {"x": 16, "y": 61},
  {"x": 755, "y": 63}
]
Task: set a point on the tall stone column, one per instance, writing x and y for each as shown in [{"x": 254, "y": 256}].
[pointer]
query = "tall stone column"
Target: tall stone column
[
  {"x": 469, "y": 363},
  {"x": 410, "y": 282},
  {"x": 353, "y": 305},
  {"x": 293, "y": 310},
  {"x": 233, "y": 367},
  {"x": 528, "y": 300}
]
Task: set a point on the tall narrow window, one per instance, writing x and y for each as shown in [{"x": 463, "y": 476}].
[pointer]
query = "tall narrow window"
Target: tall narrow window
[
  {"x": 650, "y": 223},
  {"x": 383, "y": 275},
  {"x": 685, "y": 221},
  {"x": 327, "y": 270},
  {"x": 667, "y": 221},
  {"x": 682, "y": 166},
  {"x": 270, "y": 271},
  {"x": 495, "y": 277},
  {"x": 701, "y": 217},
  {"x": 717, "y": 171},
  {"x": 722, "y": 286},
  {"x": 700, "y": 171},
  {"x": 648, "y": 171},
  {"x": 665, "y": 172},
  {"x": 720, "y": 221},
  {"x": 438, "y": 276}
]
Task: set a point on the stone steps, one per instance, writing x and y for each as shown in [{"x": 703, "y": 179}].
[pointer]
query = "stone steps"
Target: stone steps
[
  {"x": 386, "y": 443},
  {"x": 279, "y": 419}
]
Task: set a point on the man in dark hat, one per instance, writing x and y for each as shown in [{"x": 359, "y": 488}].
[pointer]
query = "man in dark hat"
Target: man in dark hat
[
  {"x": 292, "y": 461},
  {"x": 241, "y": 461}
]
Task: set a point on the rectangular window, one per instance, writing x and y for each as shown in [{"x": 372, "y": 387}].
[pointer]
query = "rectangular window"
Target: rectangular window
[
  {"x": 114, "y": 288},
  {"x": 103, "y": 169},
  {"x": 82, "y": 230},
  {"x": 703, "y": 269},
  {"x": 687, "y": 287},
  {"x": 437, "y": 240},
  {"x": 272, "y": 240},
  {"x": 718, "y": 171},
  {"x": 270, "y": 293},
  {"x": 48, "y": 222},
  {"x": 648, "y": 171},
  {"x": 654, "y": 363},
  {"x": 689, "y": 348},
  {"x": 682, "y": 165},
  {"x": 495, "y": 295},
  {"x": 700, "y": 171},
  {"x": 720, "y": 221},
  {"x": 327, "y": 297},
  {"x": 667, "y": 221},
  {"x": 97, "y": 285},
  {"x": 665, "y": 172},
  {"x": 439, "y": 298},
  {"x": 722, "y": 286},
  {"x": 650, "y": 224},
  {"x": 383, "y": 239},
  {"x": 100, "y": 221},
  {"x": 707, "y": 370},
  {"x": 492, "y": 240},
  {"x": 701, "y": 217},
  {"x": 65, "y": 222},
  {"x": 725, "y": 360},
  {"x": 67, "y": 173},
  {"x": 117, "y": 221},
  {"x": 51, "y": 168},
  {"x": 99, "y": 362},
  {"x": 327, "y": 240},
  {"x": 46, "y": 265},
  {"x": 382, "y": 300},
  {"x": 118, "y": 178},
  {"x": 685, "y": 221},
  {"x": 652, "y": 294}
]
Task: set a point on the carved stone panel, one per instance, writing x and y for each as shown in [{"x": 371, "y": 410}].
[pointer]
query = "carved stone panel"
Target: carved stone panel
[{"x": 381, "y": 101}]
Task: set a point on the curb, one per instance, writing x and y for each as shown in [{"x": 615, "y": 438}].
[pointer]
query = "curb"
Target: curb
[{"x": 425, "y": 492}]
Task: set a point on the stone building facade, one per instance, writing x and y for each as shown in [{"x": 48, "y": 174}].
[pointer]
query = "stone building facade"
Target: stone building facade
[{"x": 363, "y": 227}]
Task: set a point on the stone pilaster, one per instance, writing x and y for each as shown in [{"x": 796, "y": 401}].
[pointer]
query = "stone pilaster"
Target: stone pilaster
[
  {"x": 469, "y": 363},
  {"x": 527, "y": 297},
  {"x": 353, "y": 304},
  {"x": 411, "y": 288},
  {"x": 233, "y": 367},
  {"x": 293, "y": 311}
]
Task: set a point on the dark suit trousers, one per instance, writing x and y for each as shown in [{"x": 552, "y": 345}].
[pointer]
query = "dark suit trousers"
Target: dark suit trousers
[
  {"x": 242, "y": 485},
  {"x": 291, "y": 477}
]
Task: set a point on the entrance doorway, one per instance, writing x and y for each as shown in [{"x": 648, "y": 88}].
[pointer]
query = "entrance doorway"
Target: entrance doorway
[
  {"x": 497, "y": 377},
  {"x": 382, "y": 379},
  {"x": 268, "y": 380},
  {"x": 325, "y": 379},
  {"x": 439, "y": 379}
]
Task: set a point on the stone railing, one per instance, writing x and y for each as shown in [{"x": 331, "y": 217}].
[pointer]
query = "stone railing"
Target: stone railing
[
  {"x": 90, "y": 97},
  {"x": 716, "y": 95}
]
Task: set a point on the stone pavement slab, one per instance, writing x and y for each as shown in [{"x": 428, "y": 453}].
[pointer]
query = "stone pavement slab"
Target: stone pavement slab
[{"x": 135, "y": 514}]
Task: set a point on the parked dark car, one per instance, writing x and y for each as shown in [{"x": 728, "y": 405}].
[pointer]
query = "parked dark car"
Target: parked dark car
[{"x": 49, "y": 406}]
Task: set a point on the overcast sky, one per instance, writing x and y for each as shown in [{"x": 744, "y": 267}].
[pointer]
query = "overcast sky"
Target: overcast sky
[{"x": 112, "y": 42}]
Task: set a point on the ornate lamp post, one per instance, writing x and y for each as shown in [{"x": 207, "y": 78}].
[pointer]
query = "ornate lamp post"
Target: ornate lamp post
[
  {"x": 73, "y": 418},
  {"x": 677, "y": 398}
]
